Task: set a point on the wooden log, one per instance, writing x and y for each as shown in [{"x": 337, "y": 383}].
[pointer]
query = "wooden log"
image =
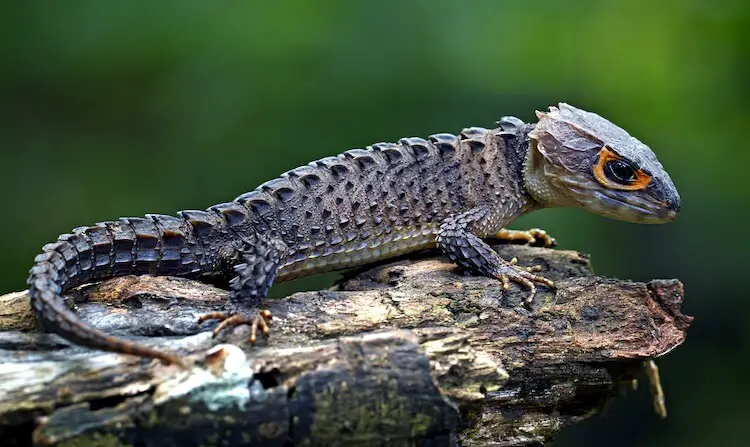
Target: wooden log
[{"x": 409, "y": 352}]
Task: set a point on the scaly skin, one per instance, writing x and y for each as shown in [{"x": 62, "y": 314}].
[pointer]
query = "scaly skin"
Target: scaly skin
[{"x": 363, "y": 206}]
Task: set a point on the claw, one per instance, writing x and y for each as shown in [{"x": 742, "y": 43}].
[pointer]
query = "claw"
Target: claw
[
  {"x": 538, "y": 233},
  {"x": 505, "y": 281},
  {"x": 544, "y": 281},
  {"x": 259, "y": 321},
  {"x": 524, "y": 276},
  {"x": 532, "y": 293},
  {"x": 253, "y": 330}
]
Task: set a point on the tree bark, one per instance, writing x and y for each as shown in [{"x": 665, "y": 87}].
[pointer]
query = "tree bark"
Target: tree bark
[{"x": 410, "y": 352}]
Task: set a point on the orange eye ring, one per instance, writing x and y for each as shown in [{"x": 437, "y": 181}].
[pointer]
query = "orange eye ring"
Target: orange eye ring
[{"x": 606, "y": 155}]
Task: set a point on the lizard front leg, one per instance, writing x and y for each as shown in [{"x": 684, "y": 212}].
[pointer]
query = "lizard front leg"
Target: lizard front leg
[
  {"x": 533, "y": 236},
  {"x": 260, "y": 257},
  {"x": 458, "y": 239}
]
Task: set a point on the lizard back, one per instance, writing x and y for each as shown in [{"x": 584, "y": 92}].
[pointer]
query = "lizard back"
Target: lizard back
[{"x": 383, "y": 201}]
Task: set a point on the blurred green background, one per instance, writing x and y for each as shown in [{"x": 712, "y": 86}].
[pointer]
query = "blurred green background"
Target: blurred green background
[{"x": 112, "y": 109}]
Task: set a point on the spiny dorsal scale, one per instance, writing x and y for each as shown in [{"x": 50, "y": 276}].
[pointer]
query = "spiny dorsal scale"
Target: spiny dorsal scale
[
  {"x": 43, "y": 257},
  {"x": 391, "y": 151},
  {"x": 475, "y": 137},
  {"x": 173, "y": 229},
  {"x": 99, "y": 235},
  {"x": 203, "y": 222},
  {"x": 419, "y": 146},
  {"x": 335, "y": 165},
  {"x": 102, "y": 244},
  {"x": 284, "y": 194},
  {"x": 233, "y": 213},
  {"x": 258, "y": 201},
  {"x": 67, "y": 250},
  {"x": 363, "y": 158},
  {"x": 281, "y": 188},
  {"x": 310, "y": 180},
  {"x": 445, "y": 142},
  {"x": 124, "y": 239},
  {"x": 509, "y": 123},
  {"x": 307, "y": 175},
  {"x": 172, "y": 240},
  {"x": 78, "y": 239},
  {"x": 171, "y": 226},
  {"x": 147, "y": 239},
  {"x": 121, "y": 230},
  {"x": 54, "y": 246},
  {"x": 143, "y": 228}
]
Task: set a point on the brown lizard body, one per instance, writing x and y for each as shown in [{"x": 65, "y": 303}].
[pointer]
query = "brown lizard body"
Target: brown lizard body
[{"x": 363, "y": 206}]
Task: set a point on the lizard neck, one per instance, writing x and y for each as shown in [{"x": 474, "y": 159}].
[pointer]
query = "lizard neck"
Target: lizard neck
[
  {"x": 535, "y": 180},
  {"x": 497, "y": 175},
  {"x": 519, "y": 150}
]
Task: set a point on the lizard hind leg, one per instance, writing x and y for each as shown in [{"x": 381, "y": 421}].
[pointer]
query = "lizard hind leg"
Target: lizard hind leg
[{"x": 260, "y": 257}]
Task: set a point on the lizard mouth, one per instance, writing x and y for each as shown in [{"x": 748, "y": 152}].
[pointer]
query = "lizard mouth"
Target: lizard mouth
[
  {"x": 637, "y": 209},
  {"x": 643, "y": 210}
]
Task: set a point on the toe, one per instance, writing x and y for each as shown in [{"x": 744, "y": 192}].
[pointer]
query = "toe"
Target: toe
[
  {"x": 504, "y": 279},
  {"x": 261, "y": 322},
  {"x": 234, "y": 320},
  {"x": 258, "y": 321},
  {"x": 547, "y": 240},
  {"x": 528, "y": 284},
  {"x": 213, "y": 316}
]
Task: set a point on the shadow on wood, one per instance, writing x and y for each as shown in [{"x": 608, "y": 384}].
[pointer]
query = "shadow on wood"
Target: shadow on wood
[{"x": 403, "y": 353}]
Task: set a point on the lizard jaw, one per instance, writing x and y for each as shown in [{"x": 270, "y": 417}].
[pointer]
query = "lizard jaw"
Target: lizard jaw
[{"x": 626, "y": 208}]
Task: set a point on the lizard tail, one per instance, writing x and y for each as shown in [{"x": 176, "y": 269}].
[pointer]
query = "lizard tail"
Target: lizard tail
[{"x": 156, "y": 245}]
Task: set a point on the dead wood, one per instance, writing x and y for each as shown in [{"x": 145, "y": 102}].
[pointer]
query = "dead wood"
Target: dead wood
[{"x": 411, "y": 352}]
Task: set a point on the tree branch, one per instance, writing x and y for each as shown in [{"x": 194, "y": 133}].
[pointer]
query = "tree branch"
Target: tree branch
[{"x": 410, "y": 351}]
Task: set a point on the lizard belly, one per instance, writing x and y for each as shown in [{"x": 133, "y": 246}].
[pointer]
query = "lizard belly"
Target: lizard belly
[{"x": 352, "y": 254}]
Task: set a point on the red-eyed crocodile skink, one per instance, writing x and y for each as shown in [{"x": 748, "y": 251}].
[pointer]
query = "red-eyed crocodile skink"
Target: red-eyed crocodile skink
[{"x": 366, "y": 205}]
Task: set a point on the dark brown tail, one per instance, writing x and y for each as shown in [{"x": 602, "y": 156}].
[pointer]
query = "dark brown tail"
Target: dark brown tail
[{"x": 156, "y": 244}]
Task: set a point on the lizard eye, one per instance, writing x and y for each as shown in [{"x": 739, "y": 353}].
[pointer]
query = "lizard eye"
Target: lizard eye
[
  {"x": 615, "y": 173},
  {"x": 620, "y": 172}
]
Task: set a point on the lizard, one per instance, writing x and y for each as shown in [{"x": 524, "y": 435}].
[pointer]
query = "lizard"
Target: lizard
[{"x": 365, "y": 205}]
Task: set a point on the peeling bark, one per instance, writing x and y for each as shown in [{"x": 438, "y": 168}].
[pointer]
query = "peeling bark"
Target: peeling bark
[{"x": 410, "y": 352}]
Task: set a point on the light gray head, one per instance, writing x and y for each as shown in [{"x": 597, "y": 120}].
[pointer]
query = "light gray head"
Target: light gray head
[{"x": 578, "y": 158}]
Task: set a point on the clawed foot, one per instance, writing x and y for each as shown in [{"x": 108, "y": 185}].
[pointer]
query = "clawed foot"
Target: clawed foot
[
  {"x": 512, "y": 272},
  {"x": 534, "y": 236},
  {"x": 260, "y": 321}
]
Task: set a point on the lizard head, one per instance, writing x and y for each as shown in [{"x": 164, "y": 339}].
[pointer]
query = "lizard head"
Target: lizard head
[{"x": 578, "y": 158}]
